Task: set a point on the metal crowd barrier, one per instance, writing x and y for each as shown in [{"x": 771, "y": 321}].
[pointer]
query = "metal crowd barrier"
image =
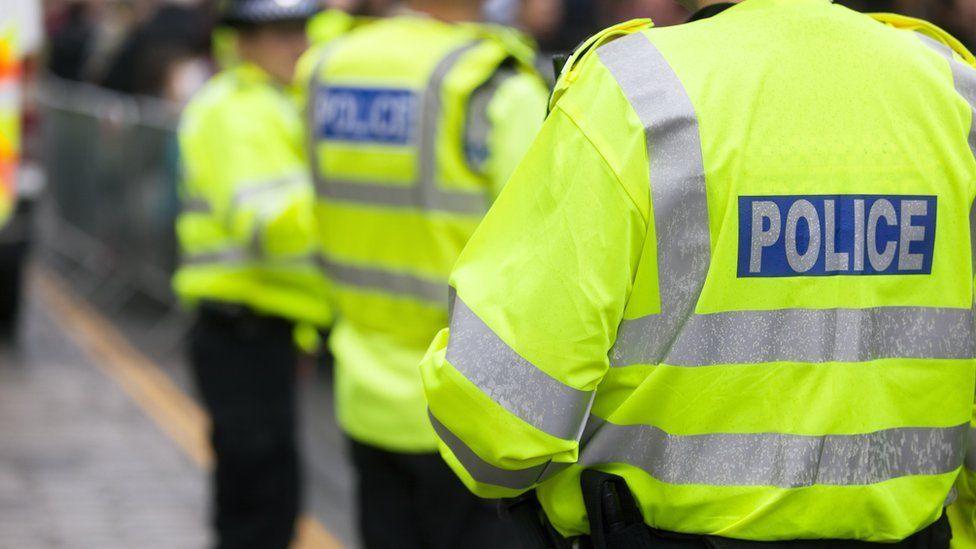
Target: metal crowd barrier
[{"x": 111, "y": 162}]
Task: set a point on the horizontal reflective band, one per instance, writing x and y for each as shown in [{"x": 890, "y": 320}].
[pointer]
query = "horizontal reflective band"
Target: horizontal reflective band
[
  {"x": 231, "y": 256},
  {"x": 396, "y": 283},
  {"x": 971, "y": 451},
  {"x": 677, "y": 180},
  {"x": 258, "y": 190},
  {"x": 803, "y": 335},
  {"x": 416, "y": 196},
  {"x": 786, "y": 461},
  {"x": 238, "y": 256},
  {"x": 964, "y": 78},
  {"x": 512, "y": 382},
  {"x": 195, "y": 206},
  {"x": 482, "y": 471}
]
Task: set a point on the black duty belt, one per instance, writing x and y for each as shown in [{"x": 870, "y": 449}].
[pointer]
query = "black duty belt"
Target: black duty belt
[
  {"x": 240, "y": 319},
  {"x": 617, "y": 523}
]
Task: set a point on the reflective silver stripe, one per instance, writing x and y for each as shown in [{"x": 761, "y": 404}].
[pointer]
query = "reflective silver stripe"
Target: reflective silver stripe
[
  {"x": 396, "y": 196},
  {"x": 964, "y": 79},
  {"x": 512, "y": 382},
  {"x": 195, "y": 206},
  {"x": 229, "y": 256},
  {"x": 424, "y": 193},
  {"x": 804, "y": 335},
  {"x": 391, "y": 282},
  {"x": 238, "y": 256},
  {"x": 782, "y": 460},
  {"x": 477, "y": 129},
  {"x": 431, "y": 124},
  {"x": 972, "y": 236},
  {"x": 258, "y": 190},
  {"x": 482, "y": 471},
  {"x": 970, "y": 461},
  {"x": 963, "y": 76},
  {"x": 677, "y": 182},
  {"x": 312, "y": 117}
]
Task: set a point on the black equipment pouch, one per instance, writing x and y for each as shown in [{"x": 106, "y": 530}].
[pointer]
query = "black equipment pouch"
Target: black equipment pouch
[{"x": 615, "y": 520}]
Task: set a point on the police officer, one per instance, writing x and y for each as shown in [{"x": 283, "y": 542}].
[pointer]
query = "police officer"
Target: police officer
[
  {"x": 728, "y": 293},
  {"x": 416, "y": 122},
  {"x": 247, "y": 241}
]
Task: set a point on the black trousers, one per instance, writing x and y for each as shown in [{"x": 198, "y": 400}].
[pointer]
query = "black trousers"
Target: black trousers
[
  {"x": 13, "y": 256},
  {"x": 409, "y": 501},
  {"x": 245, "y": 370}
]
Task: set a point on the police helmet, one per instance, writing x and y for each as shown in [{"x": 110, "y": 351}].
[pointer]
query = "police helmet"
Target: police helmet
[{"x": 245, "y": 13}]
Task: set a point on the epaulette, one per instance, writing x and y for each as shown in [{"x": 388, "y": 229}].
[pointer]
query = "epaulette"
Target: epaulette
[
  {"x": 928, "y": 29},
  {"x": 517, "y": 44},
  {"x": 570, "y": 71}
]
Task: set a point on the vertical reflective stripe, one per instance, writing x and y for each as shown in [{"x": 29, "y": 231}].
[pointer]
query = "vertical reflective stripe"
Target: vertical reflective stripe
[
  {"x": 477, "y": 130},
  {"x": 311, "y": 119},
  {"x": 482, "y": 471},
  {"x": 677, "y": 186},
  {"x": 971, "y": 450},
  {"x": 432, "y": 115},
  {"x": 424, "y": 192},
  {"x": 513, "y": 382},
  {"x": 964, "y": 78},
  {"x": 972, "y": 237},
  {"x": 778, "y": 459}
]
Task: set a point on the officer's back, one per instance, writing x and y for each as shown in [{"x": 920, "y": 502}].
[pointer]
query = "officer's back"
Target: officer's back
[
  {"x": 784, "y": 350},
  {"x": 416, "y": 122}
]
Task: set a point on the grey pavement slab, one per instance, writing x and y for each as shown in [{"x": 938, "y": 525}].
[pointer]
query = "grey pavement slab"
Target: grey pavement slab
[{"x": 81, "y": 465}]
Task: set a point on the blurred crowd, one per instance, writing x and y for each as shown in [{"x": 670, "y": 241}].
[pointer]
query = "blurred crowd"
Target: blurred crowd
[{"x": 162, "y": 47}]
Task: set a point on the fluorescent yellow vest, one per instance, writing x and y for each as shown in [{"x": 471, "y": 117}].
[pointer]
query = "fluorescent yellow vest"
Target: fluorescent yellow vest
[
  {"x": 9, "y": 121},
  {"x": 247, "y": 231},
  {"x": 398, "y": 167},
  {"x": 735, "y": 270},
  {"x": 328, "y": 25}
]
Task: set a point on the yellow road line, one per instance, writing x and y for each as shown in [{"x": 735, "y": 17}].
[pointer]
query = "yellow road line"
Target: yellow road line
[{"x": 176, "y": 414}]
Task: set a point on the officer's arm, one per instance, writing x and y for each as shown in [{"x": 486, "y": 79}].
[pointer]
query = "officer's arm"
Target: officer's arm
[
  {"x": 514, "y": 115},
  {"x": 962, "y": 513},
  {"x": 246, "y": 165},
  {"x": 540, "y": 290}
]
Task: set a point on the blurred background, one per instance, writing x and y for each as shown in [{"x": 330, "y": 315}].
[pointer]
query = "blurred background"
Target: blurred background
[{"x": 100, "y": 446}]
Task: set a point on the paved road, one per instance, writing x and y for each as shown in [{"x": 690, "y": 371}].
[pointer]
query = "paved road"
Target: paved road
[{"x": 102, "y": 445}]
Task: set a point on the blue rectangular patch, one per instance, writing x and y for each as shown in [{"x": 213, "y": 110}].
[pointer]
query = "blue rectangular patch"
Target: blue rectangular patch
[
  {"x": 366, "y": 115},
  {"x": 829, "y": 235}
]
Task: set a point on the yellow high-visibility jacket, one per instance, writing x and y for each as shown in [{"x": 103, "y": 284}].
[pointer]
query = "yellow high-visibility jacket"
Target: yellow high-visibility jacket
[
  {"x": 247, "y": 231},
  {"x": 415, "y": 125},
  {"x": 735, "y": 269}
]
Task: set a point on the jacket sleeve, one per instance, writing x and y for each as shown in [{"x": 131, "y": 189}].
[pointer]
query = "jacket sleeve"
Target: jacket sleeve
[
  {"x": 244, "y": 160},
  {"x": 962, "y": 512},
  {"x": 537, "y": 297}
]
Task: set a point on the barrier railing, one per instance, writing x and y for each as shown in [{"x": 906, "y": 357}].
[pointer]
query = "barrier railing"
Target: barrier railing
[{"x": 111, "y": 162}]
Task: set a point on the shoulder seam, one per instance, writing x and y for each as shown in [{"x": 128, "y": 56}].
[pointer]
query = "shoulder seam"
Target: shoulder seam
[{"x": 606, "y": 162}]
